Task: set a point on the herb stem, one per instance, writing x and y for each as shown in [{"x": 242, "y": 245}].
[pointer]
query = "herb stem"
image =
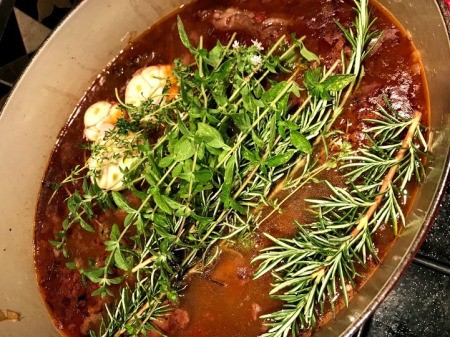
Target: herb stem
[
  {"x": 304, "y": 180},
  {"x": 279, "y": 187},
  {"x": 387, "y": 181}
]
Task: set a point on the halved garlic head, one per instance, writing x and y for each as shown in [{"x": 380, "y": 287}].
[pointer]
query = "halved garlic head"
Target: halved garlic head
[
  {"x": 111, "y": 175},
  {"x": 91, "y": 133},
  {"x": 103, "y": 128},
  {"x": 115, "y": 113},
  {"x": 149, "y": 82},
  {"x": 96, "y": 113},
  {"x": 99, "y": 118},
  {"x": 111, "y": 157},
  {"x": 137, "y": 91}
]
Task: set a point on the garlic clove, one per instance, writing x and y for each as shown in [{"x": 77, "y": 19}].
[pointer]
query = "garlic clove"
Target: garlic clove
[
  {"x": 127, "y": 163},
  {"x": 96, "y": 113},
  {"x": 102, "y": 178},
  {"x": 111, "y": 175},
  {"x": 91, "y": 133},
  {"x": 114, "y": 178},
  {"x": 137, "y": 91},
  {"x": 102, "y": 128},
  {"x": 94, "y": 164},
  {"x": 156, "y": 77}
]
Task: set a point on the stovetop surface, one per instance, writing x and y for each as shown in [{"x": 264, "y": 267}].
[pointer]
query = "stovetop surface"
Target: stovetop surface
[{"x": 418, "y": 306}]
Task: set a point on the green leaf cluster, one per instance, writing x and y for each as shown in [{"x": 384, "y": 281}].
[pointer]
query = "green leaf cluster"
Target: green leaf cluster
[
  {"x": 229, "y": 137},
  {"x": 324, "y": 89},
  {"x": 321, "y": 261}
]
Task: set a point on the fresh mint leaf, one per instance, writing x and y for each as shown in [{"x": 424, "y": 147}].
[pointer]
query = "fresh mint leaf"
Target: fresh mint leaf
[
  {"x": 115, "y": 233},
  {"x": 93, "y": 274},
  {"x": 183, "y": 36},
  {"x": 323, "y": 89},
  {"x": 300, "y": 142},
  {"x": 203, "y": 176},
  {"x": 166, "y": 162},
  {"x": 86, "y": 226},
  {"x": 160, "y": 202},
  {"x": 308, "y": 55},
  {"x": 183, "y": 149},
  {"x": 338, "y": 82},
  {"x": 210, "y": 136},
  {"x": 71, "y": 265},
  {"x": 279, "y": 159},
  {"x": 215, "y": 54},
  {"x": 120, "y": 260},
  {"x": 121, "y": 202}
]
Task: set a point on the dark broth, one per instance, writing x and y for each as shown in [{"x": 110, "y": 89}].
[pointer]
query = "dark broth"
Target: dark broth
[{"x": 224, "y": 301}]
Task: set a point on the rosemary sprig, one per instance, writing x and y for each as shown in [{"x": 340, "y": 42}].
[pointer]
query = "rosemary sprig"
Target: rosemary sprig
[
  {"x": 189, "y": 183},
  {"x": 362, "y": 39},
  {"x": 308, "y": 268},
  {"x": 320, "y": 87},
  {"x": 223, "y": 150}
]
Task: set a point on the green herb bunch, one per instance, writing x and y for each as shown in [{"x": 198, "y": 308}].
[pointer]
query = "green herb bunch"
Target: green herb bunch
[
  {"x": 223, "y": 144},
  {"x": 228, "y": 138},
  {"x": 320, "y": 263}
]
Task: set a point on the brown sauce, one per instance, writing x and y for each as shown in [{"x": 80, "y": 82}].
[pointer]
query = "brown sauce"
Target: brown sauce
[{"x": 224, "y": 301}]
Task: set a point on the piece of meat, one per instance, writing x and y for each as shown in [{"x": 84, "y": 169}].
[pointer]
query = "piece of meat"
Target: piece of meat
[
  {"x": 321, "y": 20},
  {"x": 177, "y": 320},
  {"x": 73, "y": 285},
  {"x": 338, "y": 44},
  {"x": 363, "y": 105},
  {"x": 93, "y": 314},
  {"x": 390, "y": 36},
  {"x": 334, "y": 37},
  {"x": 244, "y": 275},
  {"x": 399, "y": 95},
  {"x": 328, "y": 11},
  {"x": 256, "y": 24},
  {"x": 256, "y": 309},
  {"x": 233, "y": 19},
  {"x": 89, "y": 323}
]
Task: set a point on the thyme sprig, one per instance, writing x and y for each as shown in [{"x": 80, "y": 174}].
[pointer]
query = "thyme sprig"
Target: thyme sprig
[{"x": 229, "y": 137}]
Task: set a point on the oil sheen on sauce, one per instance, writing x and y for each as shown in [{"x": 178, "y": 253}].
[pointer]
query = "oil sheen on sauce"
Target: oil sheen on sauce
[{"x": 223, "y": 301}]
